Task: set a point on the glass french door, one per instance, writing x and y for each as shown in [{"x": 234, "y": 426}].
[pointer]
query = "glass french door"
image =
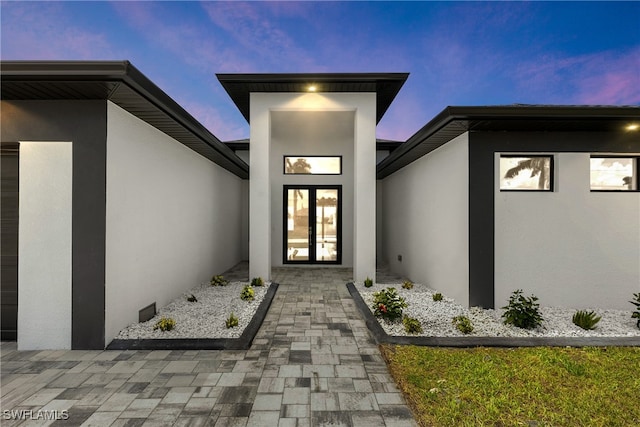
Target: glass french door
[{"x": 312, "y": 224}]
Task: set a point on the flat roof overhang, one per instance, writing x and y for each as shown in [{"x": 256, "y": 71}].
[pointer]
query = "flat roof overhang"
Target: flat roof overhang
[
  {"x": 454, "y": 121},
  {"x": 385, "y": 85},
  {"x": 121, "y": 83}
]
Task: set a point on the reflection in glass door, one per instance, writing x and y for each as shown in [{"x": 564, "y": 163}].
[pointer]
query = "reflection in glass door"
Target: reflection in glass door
[
  {"x": 298, "y": 229},
  {"x": 312, "y": 224}
]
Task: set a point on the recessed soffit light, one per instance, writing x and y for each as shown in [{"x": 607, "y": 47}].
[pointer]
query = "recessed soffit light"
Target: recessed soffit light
[
  {"x": 312, "y": 88},
  {"x": 632, "y": 126}
]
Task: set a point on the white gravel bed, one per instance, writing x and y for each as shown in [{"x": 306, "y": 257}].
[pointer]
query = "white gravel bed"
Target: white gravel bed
[
  {"x": 436, "y": 318},
  {"x": 204, "y": 318}
]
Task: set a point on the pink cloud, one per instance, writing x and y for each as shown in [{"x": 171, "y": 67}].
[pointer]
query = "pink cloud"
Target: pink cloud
[
  {"x": 209, "y": 116},
  {"x": 608, "y": 78}
]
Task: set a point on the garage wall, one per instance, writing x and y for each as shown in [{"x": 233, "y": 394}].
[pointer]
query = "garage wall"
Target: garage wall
[
  {"x": 425, "y": 213},
  {"x": 570, "y": 247},
  {"x": 83, "y": 124},
  {"x": 173, "y": 219}
]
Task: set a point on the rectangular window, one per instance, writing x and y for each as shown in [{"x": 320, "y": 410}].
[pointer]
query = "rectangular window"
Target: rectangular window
[
  {"x": 526, "y": 173},
  {"x": 614, "y": 173},
  {"x": 312, "y": 165}
]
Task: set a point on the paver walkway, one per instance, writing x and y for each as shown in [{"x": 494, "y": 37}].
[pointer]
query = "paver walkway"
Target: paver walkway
[{"x": 312, "y": 363}]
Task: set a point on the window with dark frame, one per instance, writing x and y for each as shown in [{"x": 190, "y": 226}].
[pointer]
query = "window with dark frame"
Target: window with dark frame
[
  {"x": 520, "y": 172},
  {"x": 614, "y": 173},
  {"x": 312, "y": 165}
]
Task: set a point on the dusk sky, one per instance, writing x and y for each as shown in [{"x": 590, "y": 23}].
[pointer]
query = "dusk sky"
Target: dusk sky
[{"x": 457, "y": 53}]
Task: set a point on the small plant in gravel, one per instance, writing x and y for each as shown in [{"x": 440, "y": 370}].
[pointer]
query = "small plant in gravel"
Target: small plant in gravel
[
  {"x": 522, "y": 312},
  {"x": 257, "y": 281},
  {"x": 587, "y": 320},
  {"x": 247, "y": 293},
  {"x": 218, "y": 281},
  {"x": 411, "y": 325},
  {"x": 437, "y": 296},
  {"x": 636, "y": 314},
  {"x": 165, "y": 324},
  {"x": 407, "y": 284},
  {"x": 192, "y": 298},
  {"x": 463, "y": 324},
  {"x": 388, "y": 304},
  {"x": 368, "y": 282},
  {"x": 231, "y": 321}
]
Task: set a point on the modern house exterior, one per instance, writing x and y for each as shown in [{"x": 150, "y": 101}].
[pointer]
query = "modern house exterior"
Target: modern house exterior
[{"x": 114, "y": 197}]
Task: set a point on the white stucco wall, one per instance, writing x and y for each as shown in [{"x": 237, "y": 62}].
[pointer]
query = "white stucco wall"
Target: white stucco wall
[
  {"x": 173, "y": 219},
  {"x": 44, "y": 245},
  {"x": 265, "y": 197},
  {"x": 570, "y": 247},
  {"x": 306, "y": 134},
  {"x": 425, "y": 216}
]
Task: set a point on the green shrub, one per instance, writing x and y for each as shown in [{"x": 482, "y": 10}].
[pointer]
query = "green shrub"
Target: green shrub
[
  {"x": 165, "y": 324},
  {"x": 408, "y": 284},
  {"x": 247, "y": 293},
  {"x": 437, "y": 296},
  {"x": 368, "y": 282},
  {"x": 585, "y": 319},
  {"x": 388, "y": 304},
  {"x": 636, "y": 302},
  {"x": 522, "y": 312},
  {"x": 463, "y": 324},
  {"x": 411, "y": 325},
  {"x": 192, "y": 298},
  {"x": 231, "y": 321},
  {"x": 219, "y": 281},
  {"x": 257, "y": 281}
]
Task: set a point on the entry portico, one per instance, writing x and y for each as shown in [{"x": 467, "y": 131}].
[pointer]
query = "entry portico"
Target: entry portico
[{"x": 299, "y": 116}]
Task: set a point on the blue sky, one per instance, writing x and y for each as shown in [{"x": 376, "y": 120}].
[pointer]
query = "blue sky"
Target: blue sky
[{"x": 458, "y": 53}]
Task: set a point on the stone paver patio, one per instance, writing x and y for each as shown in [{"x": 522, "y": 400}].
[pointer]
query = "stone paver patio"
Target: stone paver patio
[{"x": 313, "y": 363}]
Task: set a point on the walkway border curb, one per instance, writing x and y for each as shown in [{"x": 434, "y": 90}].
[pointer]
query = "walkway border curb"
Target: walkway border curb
[
  {"x": 381, "y": 337},
  {"x": 242, "y": 343}
]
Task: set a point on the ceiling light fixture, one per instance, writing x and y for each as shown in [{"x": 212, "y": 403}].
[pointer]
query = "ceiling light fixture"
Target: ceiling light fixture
[
  {"x": 633, "y": 126},
  {"x": 312, "y": 88}
]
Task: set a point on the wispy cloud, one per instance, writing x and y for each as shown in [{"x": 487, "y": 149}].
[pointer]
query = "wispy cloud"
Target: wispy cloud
[
  {"x": 189, "y": 41},
  {"x": 251, "y": 26},
  {"x": 45, "y": 31},
  {"x": 611, "y": 78}
]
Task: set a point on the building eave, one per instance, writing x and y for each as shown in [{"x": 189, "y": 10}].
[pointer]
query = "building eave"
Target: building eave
[
  {"x": 454, "y": 121},
  {"x": 124, "y": 85},
  {"x": 385, "y": 85}
]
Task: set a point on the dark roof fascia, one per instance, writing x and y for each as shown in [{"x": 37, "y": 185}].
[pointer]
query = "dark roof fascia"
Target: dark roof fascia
[
  {"x": 455, "y": 120},
  {"x": 120, "y": 72},
  {"x": 381, "y": 145},
  {"x": 240, "y": 145},
  {"x": 385, "y": 85}
]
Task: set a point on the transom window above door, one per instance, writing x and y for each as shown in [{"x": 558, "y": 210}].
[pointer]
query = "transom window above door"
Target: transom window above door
[{"x": 312, "y": 165}]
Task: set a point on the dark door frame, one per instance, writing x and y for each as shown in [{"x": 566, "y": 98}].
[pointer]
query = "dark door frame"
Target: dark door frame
[{"x": 313, "y": 223}]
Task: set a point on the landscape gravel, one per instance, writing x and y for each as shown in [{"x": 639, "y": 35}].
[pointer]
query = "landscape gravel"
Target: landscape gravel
[
  {"x": 436, "y": 317},
  {"x": 204, "y": 318}
]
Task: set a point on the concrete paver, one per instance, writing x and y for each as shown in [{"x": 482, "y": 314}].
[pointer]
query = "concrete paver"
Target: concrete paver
[{"x": 312, "y": 363}]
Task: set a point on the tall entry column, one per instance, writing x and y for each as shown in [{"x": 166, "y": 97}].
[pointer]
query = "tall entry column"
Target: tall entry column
[{"x": 259, "y": 189}]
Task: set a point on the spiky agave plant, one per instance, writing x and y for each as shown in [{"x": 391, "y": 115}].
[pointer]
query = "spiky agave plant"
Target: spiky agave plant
[{"x": 636, "y": 314}]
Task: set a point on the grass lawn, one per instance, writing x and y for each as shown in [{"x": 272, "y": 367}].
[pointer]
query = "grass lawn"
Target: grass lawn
[{"x": 523, "y": 386}]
